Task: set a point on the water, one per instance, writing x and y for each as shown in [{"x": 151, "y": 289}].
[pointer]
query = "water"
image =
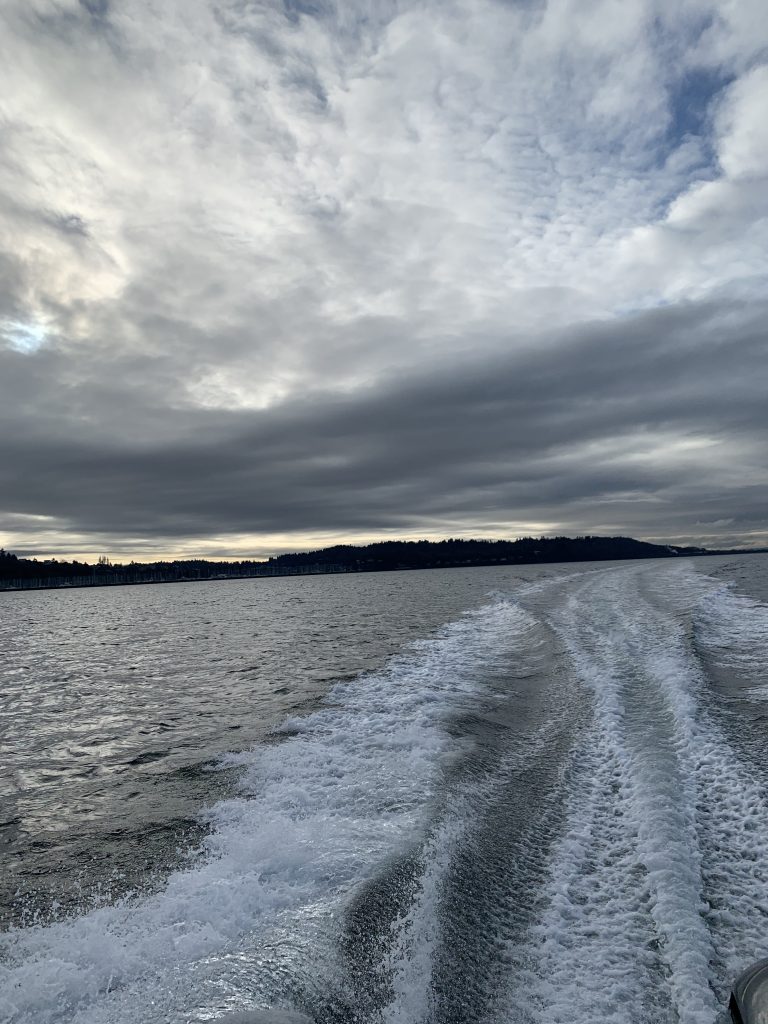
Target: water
[{"x": 495, "y": 795}]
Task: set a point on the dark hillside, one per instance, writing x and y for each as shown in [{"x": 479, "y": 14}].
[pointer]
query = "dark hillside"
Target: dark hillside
[
  {"x": 21, "y": 573},
  {"x": 424, "y": 554}
]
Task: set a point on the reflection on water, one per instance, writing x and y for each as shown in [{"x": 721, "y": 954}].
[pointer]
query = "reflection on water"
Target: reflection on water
[{"x": 115, "y": 703}]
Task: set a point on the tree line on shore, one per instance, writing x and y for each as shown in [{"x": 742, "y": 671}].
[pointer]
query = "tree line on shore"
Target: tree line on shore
[
  {"x": 379, "y": 556},
  {"x": 393, "y": 554}
]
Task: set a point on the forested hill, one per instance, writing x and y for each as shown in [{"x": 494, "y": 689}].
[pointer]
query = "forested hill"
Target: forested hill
[
  {"x": 18, "y": 572},
  {"x": 424, "y": 554}
]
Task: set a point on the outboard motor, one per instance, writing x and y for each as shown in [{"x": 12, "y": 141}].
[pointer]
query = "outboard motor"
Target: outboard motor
[{"x": 749, "y": 995}]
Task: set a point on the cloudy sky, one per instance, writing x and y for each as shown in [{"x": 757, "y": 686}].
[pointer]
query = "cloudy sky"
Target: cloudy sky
[{"x": 275, "y": 274}]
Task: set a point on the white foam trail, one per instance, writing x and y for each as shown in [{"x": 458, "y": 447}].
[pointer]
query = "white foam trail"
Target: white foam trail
[
  {"x": 657, "y": 890},
  {"x": 319, "y": 813},
  {"x": 411, "y": 961},
  {"x": 418, "y": 932},
  {"x": 588, "y": 958}
]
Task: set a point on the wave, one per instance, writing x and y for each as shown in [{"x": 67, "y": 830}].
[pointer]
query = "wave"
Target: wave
[
  {"x": 349, "y": 787},
  {"x": 538, "y": 817},
  {"x": 656, "y": 895}
]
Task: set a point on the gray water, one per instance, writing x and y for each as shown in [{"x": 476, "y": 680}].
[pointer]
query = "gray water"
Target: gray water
[
  {"x": 529, "y": 794},
  {"x": 117, "y": 703}
]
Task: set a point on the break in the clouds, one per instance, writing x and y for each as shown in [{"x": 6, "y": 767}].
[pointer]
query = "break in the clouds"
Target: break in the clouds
[{"x": 273, "y": 274}]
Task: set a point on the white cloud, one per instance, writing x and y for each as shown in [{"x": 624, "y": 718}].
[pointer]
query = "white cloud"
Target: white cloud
[
  {"x": 743, "y": 150},
  {"x": 243, "y": 173},
  {"x": 226, "y": 206},
  {"x": 715, "y": 232},
  {"x": 23, "y": 337}
]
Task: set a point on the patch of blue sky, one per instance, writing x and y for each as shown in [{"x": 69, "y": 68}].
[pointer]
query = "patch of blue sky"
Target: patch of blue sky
[
  {"x": 23, "y": 337},
  {"x": 692, "y": 94},
  {"x": 690, "y": 133},
  {"x": 692, "y": 99}
]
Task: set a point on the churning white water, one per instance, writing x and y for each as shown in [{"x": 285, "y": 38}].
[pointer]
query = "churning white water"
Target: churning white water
[{"x": 552, "y": 810}]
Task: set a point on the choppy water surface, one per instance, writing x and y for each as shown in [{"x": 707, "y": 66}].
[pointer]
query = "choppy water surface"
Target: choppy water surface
[
  {"x": 116, "y": 705},
  {"x": 533, "y": 794}
]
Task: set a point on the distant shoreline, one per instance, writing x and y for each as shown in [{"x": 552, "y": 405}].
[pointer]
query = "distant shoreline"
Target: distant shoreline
[{"x": 549, "y": 551}]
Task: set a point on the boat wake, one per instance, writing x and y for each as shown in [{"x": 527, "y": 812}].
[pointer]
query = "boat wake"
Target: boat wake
[
  {"x": 544, "y": 814},
  {"x": 656, "y": 896}
]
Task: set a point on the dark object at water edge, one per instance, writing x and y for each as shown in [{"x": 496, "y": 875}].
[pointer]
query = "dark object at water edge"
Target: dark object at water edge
[{"x": 749, "y": 995}]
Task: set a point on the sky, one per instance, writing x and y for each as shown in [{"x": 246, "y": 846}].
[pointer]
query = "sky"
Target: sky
[{"x": 276, "y": 275}]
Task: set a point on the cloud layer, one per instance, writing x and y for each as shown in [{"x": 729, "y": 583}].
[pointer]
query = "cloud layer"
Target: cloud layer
[{"x": 274, "y": 273}]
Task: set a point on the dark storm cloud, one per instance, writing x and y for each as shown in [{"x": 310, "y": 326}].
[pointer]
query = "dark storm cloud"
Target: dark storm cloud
[{"x": 612, "y": 413}]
